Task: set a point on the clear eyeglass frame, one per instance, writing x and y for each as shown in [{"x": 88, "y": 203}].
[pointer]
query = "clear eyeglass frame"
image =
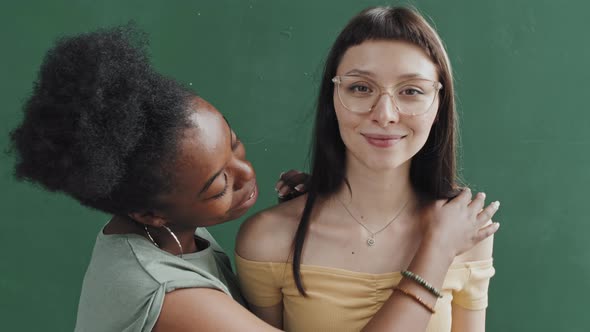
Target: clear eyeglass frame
[{"x": 337, "y": 80}]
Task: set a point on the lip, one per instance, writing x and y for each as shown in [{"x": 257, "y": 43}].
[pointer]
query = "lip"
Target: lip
[
  {"x": 383, "y": 140},
  {"x": 249, "y": 198}
]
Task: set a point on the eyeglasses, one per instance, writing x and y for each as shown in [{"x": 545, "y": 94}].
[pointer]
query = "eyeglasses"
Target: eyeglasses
[{"x": 360, "y": 94}]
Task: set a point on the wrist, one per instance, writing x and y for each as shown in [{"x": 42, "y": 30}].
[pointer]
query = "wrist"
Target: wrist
[
  {"x": 431, "y": 262},
  {"x": 433, "y": 247}
]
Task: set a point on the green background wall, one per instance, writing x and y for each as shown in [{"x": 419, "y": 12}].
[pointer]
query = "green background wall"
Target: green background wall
[{"x": 522, "y": 77}]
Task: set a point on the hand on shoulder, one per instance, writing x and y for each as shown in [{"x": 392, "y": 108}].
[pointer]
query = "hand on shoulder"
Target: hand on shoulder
[
  {"x": 462, "y": 226},
  {"x": 481, "y": 251}
]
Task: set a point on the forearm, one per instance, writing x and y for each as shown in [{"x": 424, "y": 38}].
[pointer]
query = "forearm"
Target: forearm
[
  {"x": 465, "y": 320},
  {"x": 272, "y": 315},
  {"x": 403, "y": 313}
]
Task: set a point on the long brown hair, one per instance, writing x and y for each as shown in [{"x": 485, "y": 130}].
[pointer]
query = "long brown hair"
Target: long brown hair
[{"x": 433, "y": 168}]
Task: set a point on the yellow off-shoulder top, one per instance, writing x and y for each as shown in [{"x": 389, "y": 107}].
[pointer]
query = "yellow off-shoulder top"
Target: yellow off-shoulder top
[{"x": 341, "y": 300}]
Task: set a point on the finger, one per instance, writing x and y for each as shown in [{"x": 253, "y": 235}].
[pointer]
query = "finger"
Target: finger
[
  {"x": 295, "y": 179},
  {"x": 288, "y": 174},
  {"x": 282, "y": 198},
  {"x": 463, "y": 197},
  {"x": 486, "y": 232},
  {"x": 441, "y": 202},
  {"x": 486, "y": 214},
  {"x": 478, "y": 202},
  {"x": 284, "y": 190},
  {"x": 282, "y": 177},
  {"x": 288, "y": 190},
  {"x": 289, "y": 196},
  {"x": 279, "y": 185}
]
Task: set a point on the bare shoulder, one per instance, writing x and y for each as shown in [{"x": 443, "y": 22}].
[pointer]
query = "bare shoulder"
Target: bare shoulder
[{"x": 267, "y": 236}]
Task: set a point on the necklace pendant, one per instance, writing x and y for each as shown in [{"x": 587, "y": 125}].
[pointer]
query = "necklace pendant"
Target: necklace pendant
[{"x": 371, "y": 241}]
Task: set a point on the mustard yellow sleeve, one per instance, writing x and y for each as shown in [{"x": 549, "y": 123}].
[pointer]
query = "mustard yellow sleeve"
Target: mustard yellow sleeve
[
  {"x": 261, "y": 282},
  {"x": 473, "y": 295}
]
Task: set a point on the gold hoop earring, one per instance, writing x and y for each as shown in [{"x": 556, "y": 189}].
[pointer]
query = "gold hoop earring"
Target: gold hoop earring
[{"x": 169, "y": 231}]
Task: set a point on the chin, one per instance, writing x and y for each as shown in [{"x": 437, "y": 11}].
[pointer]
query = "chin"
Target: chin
[
  {"x": 229, "y": 217},
  {"x": 235, "y": 214},
  {"x": 384, "y": 165}
]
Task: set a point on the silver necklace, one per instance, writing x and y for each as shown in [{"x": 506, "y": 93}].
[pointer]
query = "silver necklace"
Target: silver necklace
[{"x": 371, "y": 239}]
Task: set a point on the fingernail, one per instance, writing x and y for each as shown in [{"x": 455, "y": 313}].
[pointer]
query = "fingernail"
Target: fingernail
[
  {"x": 496, "y": 204},
  {"x": 483, "y": 195},
  {"x": 496, "y": 225},
  {"x": 299, "y": 187}
]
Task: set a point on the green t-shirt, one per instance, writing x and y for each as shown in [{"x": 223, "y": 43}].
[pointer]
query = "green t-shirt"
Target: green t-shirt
[{"x": 128, "y": 276}]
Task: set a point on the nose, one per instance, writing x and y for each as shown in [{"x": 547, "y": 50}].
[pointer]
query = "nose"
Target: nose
[
  {"x": 243, "y": 173},
  {"x": 385, "y": 111}
]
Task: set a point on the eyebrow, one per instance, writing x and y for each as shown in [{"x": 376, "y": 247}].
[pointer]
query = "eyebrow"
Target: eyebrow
[
  {"x": 372, "y": 75},
  {"x": 212, "y": 179}
]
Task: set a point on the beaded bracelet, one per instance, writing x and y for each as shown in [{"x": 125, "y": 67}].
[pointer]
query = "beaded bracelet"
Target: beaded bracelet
[
  {"x": 416, "y": 298},
  {"x": 422, "y": 282}
]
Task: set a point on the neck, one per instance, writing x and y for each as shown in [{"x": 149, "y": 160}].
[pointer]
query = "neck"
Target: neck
[
  {"x": 167, "y": 242},
  {"x": 186, "y": 237},
  {"x": 377, "y": 195}
]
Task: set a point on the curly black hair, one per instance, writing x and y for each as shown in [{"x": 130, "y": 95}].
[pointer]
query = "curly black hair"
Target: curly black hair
[{"x": 101, "y": 124}]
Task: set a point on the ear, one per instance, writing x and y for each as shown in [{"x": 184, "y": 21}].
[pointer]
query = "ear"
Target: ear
[{"x": 148, "y": 218}]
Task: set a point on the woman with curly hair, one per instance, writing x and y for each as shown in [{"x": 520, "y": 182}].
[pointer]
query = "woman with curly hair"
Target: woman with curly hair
[{"x": 103, "y": 127}]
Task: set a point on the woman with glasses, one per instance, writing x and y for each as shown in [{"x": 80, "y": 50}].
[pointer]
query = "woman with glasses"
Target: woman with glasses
[{"x": 368, "y": 246}]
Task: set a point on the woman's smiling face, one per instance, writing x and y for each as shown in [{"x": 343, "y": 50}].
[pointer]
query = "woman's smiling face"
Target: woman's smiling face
[
  {"x": 212, "y": 180},
  {"x": 385, "y": 138}
]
